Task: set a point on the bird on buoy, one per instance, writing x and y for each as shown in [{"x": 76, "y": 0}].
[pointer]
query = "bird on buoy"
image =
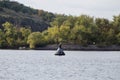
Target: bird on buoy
[{"x": 60, "y": 51}]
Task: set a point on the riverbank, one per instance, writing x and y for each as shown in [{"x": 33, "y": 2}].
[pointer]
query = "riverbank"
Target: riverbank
[
  {"x": 82, "y": 48},
  {"x": 70, "y": 47}
]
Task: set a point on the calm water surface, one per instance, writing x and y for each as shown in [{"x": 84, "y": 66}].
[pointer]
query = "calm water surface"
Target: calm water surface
[{"x": 43, "y": 65}]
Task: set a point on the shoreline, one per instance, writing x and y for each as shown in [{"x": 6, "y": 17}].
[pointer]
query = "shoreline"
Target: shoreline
[
  {"x": 81, "y": 48},
  {"x": 70, "y": 47}
]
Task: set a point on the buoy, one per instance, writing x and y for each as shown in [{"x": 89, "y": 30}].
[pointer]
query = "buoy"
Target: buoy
[{"x": 60, "y": 51}]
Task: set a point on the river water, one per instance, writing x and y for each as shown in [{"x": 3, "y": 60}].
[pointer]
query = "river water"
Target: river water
[{"x": 44, "y": 65}]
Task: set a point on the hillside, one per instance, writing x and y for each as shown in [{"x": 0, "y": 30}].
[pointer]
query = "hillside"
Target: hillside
[{"x": 21, "y": 15}]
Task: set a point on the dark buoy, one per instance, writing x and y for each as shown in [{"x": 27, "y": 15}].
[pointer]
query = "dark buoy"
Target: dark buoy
[{"x": 60, "y": 51}]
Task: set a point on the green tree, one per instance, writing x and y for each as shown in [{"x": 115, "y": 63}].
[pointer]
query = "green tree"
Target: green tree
[
  {"x": 116, "y": 24},
  {"x": 103, "y": 24},
  {"x": 58, "y": 21},
  {"x": 84, "y": 20},
  {"x": 64, "y": 34},
  {"x": 70, "y": 21},
  {"x": 53, "y": 34},
  {"x": 2, "y": 39},
  {"x": 118, "y": 38},
  {"x": 76, "y": 35},
  {"x": 103, "y": 27},
  {"x": 111, "y": 38},
  {"x": 10, "y": 33},
  {"x": 35, "y": 38},
  {"x": 25, "y": 32},
  {"x": 116, "y": 29}
]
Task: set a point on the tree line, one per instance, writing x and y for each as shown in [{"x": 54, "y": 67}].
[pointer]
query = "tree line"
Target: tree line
[{"x": 81, "y": 30}]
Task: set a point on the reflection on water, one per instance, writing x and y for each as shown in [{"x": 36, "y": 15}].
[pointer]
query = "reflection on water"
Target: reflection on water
[{"x": 44, "y": 65}]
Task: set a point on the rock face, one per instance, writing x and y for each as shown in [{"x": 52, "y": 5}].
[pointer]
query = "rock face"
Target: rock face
[{"x": 60, "y": 51}]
